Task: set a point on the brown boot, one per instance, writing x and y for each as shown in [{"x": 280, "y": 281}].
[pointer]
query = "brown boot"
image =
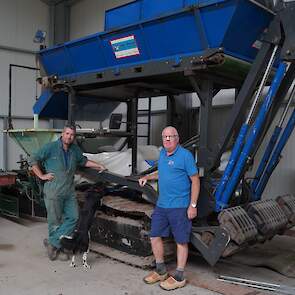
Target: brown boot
[{"x": 172, "y": 284}]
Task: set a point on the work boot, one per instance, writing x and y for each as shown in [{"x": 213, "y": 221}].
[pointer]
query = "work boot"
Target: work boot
[
  {"x": 153, "y": 277},
  {"x": 51, "y": 250},
  {"x": 172, "y": 284},
  {"x": 63, "y": 256}
]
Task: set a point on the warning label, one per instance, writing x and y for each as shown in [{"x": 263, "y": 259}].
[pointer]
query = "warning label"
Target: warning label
[{"x": 125, "y": 47}]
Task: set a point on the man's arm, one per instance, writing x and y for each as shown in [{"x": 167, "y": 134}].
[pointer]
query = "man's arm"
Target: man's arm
[
  {"x": 36, "y": 169},
  {"x": 36, "y": 158},
  {"x": 153, "y": 176},
  {"x": 95, "y": 165},
  {"x": 195, "y": 191}
]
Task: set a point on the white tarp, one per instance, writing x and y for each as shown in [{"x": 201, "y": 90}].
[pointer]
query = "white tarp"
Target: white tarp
[{"x": 120, "y": 162}]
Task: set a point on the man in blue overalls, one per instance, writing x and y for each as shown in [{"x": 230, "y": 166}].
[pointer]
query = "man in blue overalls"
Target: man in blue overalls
[
  {"x": 179, "y": 188},
  {"x": 60, "y": 160}
]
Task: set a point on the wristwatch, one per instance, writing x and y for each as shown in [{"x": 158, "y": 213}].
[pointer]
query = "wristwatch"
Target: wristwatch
[{"x": 194, "y": 205}]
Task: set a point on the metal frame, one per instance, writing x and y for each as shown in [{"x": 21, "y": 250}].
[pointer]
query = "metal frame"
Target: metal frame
[
  {"x": 205, "y": 93},
  {"x": 283, "y": 21},
  {"x": 240, "y": 107},
  {"x": 11, "y": 66},
  {"x": 149, "y": 192},
  {"x": 214, "y": 250},
  {"x": 166, "y": 70},
  {"x": 194, "y": 73}
]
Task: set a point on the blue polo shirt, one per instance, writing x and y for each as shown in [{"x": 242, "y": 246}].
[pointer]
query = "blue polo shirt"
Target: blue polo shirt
[{"x": 174, "y": 178}]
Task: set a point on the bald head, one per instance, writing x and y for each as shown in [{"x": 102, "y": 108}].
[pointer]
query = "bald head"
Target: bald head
[
  {"x": 171, "y": 130},
  {"x": 170, "y": 139}
]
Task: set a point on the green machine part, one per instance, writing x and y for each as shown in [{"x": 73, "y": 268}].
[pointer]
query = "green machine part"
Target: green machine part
[{"x": 9, "y": 205}]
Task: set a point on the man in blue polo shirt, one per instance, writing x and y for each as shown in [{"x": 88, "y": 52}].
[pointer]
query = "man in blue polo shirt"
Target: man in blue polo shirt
[{"x": 179, "y": 187}]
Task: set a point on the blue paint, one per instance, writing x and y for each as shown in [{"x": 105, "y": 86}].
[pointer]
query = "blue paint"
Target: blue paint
[
  {"x": 162, "y": 29},
  {"x": 52, "y": 105},
  {"x": 275, "y": 156},
  {"x": 252, "y": 136},
  {"x": 265, "y": 159},
  {"x": 230, "y": 166}
]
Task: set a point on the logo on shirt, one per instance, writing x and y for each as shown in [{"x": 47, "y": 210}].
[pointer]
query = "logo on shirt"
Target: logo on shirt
[{"x": 170, "y": 162}]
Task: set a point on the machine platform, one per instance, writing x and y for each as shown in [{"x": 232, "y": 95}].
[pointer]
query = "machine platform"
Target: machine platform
[{"x": 150, "y": 50}]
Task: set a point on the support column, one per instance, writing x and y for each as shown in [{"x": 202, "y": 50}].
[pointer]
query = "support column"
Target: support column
[
  {"x": 171, "y": 111},
  {"x": 71, "y": 106},
  {"x": 59, "y": 23},
  {"x": 134, "y": 118},
  {"x": 204, "y": 153},
  {"x": 205, "y": 92},
  {"x": 179, "y": 114},
  {"x": 5, "y": 144}
]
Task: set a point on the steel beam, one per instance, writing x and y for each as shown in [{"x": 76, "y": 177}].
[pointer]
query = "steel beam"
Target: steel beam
[
  {"x": 17, "y": 49},
  {"x": 239, "y": 109},
  {"x": 206, "y": 96},
  {"x": 134, "y": 119}
]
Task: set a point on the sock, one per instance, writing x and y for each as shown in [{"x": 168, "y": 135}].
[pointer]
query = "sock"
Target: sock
[
  {"x": 161, "y": 268},
  {"x": 179, "y": 274}
]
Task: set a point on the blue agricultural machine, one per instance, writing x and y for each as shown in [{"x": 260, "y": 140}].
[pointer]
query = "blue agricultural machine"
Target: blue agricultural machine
[{"x": 170, "y": 47}]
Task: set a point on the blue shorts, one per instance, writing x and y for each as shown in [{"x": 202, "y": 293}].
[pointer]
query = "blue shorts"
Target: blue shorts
[{"x": 167, "y": 221}]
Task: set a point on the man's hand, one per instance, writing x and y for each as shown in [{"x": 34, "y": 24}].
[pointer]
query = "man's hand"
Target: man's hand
[
  {"x": 95, "y": 165},
  {"x": 101, "y": 167},
  {"x": 191, "y": 212},
  {"x": 142, "y": 181},
  {"x": 47, "y": 177}
]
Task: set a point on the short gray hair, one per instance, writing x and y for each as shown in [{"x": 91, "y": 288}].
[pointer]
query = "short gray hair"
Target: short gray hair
[
  {"x": 70, "y": 126},
  {"x": 172, "y": 128}
]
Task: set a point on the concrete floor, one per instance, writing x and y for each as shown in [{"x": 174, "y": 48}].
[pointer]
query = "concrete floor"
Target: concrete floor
[{"x": 25, "y": 269}]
